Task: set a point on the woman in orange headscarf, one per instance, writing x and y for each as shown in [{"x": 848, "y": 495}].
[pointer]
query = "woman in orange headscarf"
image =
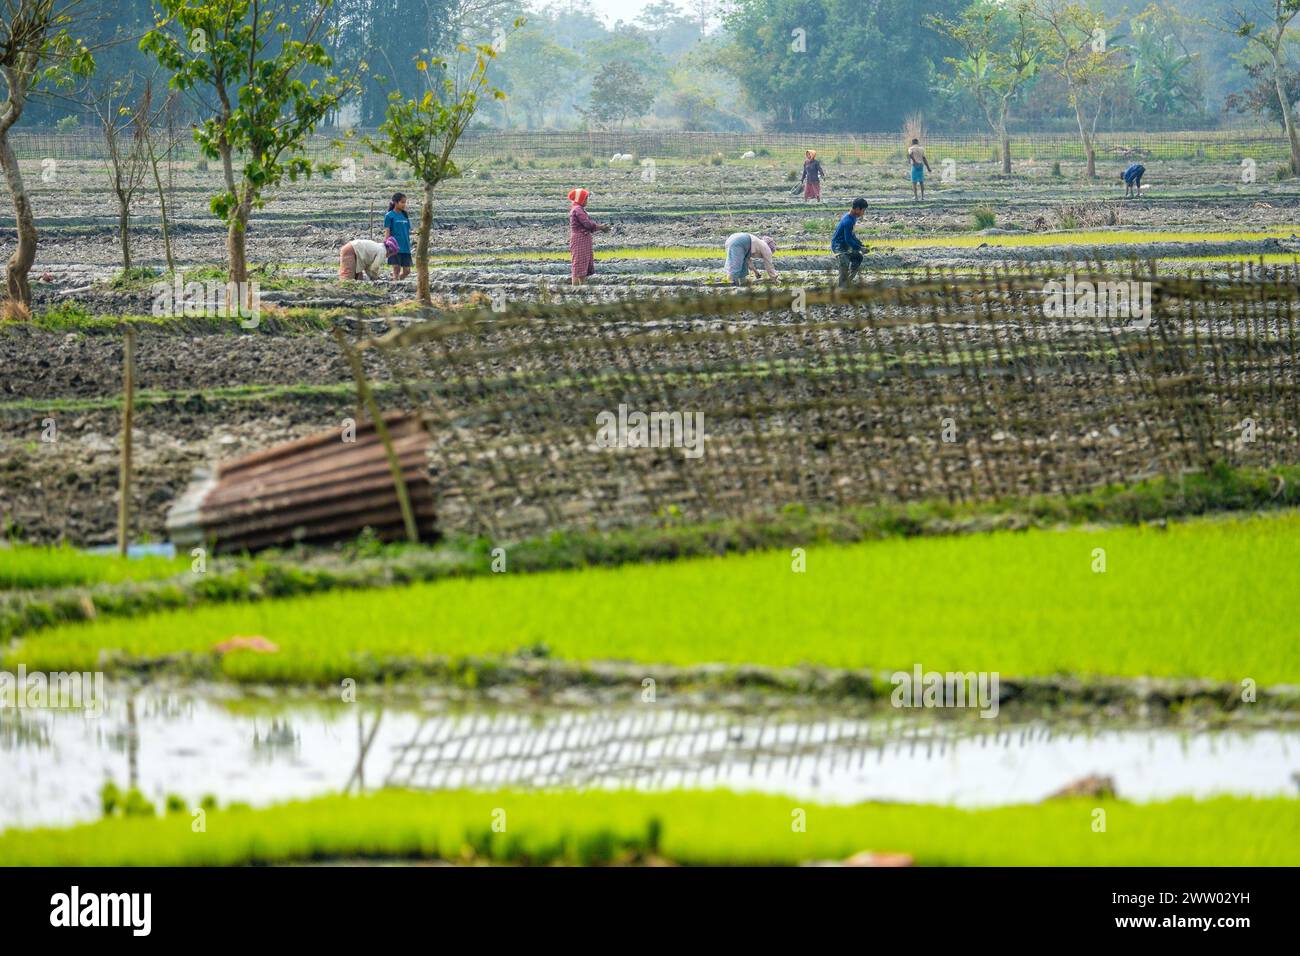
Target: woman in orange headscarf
[
  {"x": 581, "y": 226},
  {"x": 813, "y": 174}
]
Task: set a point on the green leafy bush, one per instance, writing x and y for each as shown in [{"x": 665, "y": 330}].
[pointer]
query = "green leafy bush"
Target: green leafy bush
[{"x": 985, "y": 217}]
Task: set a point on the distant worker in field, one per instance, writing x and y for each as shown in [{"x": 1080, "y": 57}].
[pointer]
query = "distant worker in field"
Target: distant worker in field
[
  {"x": 742, "y": 249},
  {"x": 1132, "y": 178},
  {"x": 813, "y": 174},
  {"x": 361, "y": 256},
  {"x": 581, "y": 226},
  {"x": 845, "y": 244},
  {"x": 920, "y": 166},
  {"x": 397, "y": 226}
]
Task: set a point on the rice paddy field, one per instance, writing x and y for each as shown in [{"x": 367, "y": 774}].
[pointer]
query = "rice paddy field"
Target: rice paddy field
[
  {"x": 972, "y": 602},
  {"x": 1089, "y": 525}
]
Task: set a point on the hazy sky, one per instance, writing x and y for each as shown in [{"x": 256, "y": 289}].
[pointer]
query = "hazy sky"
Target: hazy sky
[{"x": 613, "y": 10}]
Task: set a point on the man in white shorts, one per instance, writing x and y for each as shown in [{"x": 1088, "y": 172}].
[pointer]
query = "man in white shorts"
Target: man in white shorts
[{"x": 920, "y": 166}]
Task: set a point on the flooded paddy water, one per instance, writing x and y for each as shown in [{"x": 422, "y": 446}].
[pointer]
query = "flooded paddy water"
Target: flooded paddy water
[{"x": 196, "y": 741}]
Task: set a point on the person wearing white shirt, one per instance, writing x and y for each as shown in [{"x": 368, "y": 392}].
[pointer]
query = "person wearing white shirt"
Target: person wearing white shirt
[
  {"x": 742, "y": 249},
  {"x": 362, "y": 256}
]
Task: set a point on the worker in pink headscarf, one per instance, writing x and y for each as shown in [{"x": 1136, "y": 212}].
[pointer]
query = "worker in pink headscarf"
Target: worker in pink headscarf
[{"x": 581, "y": 226}]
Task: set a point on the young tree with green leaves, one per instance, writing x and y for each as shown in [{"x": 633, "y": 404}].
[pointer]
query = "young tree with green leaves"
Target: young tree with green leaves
[
  {"x": 1078, "y": 43},
  {"x": 262, "y": 82},
  {"x": 1268, "y": 27},
  {"x": 421, "y": 134},
  {"x": 35, "y": 49},
  {"x": 1001, "y": 56}
]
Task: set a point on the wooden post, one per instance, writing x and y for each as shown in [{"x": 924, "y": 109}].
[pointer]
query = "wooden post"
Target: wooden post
[
  {"x": 128, "y": 417},
  {"x": 372, "y": 409}
]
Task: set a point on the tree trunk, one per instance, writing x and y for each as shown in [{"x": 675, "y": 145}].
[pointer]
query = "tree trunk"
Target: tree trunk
[
  {"x": 20, "y": 263},
  {"x": 1006, "y": 147},
  {"x": 162, "y": 209},
  {"x": 236, "y": 232},
  {"x": 235, "y": 254},
  {"x": 1288, "y": 117},
  {"x": 124, "y": 231},
  {"x": 1088, "y": 150},
  {"x": 422, "y": 249},
  {"x": 237, "y": 246}
]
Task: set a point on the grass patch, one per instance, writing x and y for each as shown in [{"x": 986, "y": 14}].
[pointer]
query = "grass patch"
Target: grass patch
[
  {"x": 25, "y": 567},
  {"x": 73, "y": 316},
  {"x": 1209, "y": 598},
  {"x": 820, "y": 227},
  {"x": 204, "y": 397},
  {"x": 691, "y": 827},
  {"x": 984, "y": 217}
]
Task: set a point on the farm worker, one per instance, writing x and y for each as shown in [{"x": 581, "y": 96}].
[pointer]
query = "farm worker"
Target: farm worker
[
  {"x": 397, "y": 224},
  {"x": 741, "y": 248},
  {"x": 1133, "y": 180},
  {"x": 581, "y": 226},
  {"x": 847, "y": 247},
  {"x": 813, "y": 174},
  {"x": 361, "y": 256},
  {"x": 920, "y": 166}
]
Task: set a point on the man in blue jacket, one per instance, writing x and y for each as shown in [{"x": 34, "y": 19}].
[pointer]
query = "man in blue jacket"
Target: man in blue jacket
[
  {"x": 1133, "y": 180},
  {"x": 848, "y": 250}
]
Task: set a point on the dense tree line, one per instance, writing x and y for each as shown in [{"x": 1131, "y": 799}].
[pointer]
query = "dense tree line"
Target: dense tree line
[{"x": 780, "y": 64}]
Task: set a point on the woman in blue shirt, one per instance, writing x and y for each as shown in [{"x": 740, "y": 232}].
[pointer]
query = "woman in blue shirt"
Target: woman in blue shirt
[{"x": 398, "y": 225}]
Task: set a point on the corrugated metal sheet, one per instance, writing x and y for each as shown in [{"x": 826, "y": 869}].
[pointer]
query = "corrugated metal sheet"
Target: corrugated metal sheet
[{"x": 315, "y": 490}]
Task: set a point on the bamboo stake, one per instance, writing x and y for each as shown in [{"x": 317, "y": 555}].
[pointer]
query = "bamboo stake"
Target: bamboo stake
[
  {"x": 128, "y": 416},
  {"x": 372, "y": 408}
]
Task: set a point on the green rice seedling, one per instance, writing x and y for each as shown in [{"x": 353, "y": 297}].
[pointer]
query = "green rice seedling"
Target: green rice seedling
[
  {"x": 712, "y": 827},
  {"x": 1221, "y": 607},
  {"x": 37, "y": 566}
]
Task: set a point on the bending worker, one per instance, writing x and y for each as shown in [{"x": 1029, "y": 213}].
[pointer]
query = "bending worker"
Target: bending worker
[
  {"x": 742, "y": 249},
  {"x": 361, "y": 256}
]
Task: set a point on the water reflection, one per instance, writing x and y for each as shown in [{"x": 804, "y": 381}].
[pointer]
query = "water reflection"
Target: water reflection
[{"x": 262, "y": 750}]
